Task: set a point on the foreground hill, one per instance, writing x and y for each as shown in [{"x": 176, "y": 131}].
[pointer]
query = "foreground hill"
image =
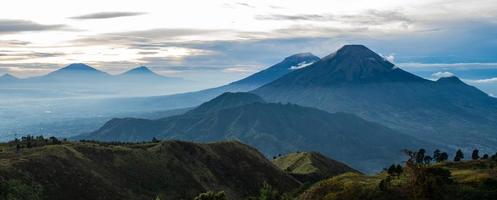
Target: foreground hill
[
  {"x": 311, "y": 166},
  {"x": 356, "y": 80},
  {"x": 272, "y": 128},
  {"x": 467, "y": 180},
  {"x": 170, "y": 170}
]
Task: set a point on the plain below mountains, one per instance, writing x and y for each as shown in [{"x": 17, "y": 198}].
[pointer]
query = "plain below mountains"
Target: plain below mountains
[
  {"x": 273, "y": 128},
  {"x": 356, "y": 80}
]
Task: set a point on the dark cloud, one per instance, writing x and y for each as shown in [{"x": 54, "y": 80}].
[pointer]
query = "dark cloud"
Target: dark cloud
[
  {"x": 144, "y": 37},
  {"x": 12, "y": 26},
  {"x": 16, "y": 56},
  {"x": 13, "y": 43},
  {"x": 107, "y": 15},
  {"x": 303, "y": 17},
  {"x": 368, "y": 17}
]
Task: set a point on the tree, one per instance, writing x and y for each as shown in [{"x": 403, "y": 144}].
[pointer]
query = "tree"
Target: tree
[
  {"x": 399, "y": 169},
  {"x": 436, "y": 155},
  {"x": 475, "y": 155},
  {"x": 211, "y": 196},
  {"x": 155, "y": 140},
  {"x": 267, "y": 192},
  {"x": 420, "y": 156},
  {"x": 484, "y": 157},
  {"x": 443, "y": 157},
  {"x": 459, "y": 156},
  {"x": 391, "y": 169},
  {"x": 427, "y": 160}
]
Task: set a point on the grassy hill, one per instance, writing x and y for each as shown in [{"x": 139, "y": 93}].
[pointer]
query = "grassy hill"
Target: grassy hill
[
  {"x": 311, "y": 166},
  {"x": 170, "y": 170},
  {"x": 451, "y": 180},
  {"x": 272, "y": 128}
]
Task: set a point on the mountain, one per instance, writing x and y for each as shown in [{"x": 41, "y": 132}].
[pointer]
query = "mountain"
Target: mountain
[
  {"x": 191, "y": 99},
  {"x": 143, "y": 73},
  {"x": 168, "y": 170},
  {"x": 272, "y": 73},
  {"x": 76, "y": 71},
  {"x": 8, "y": 78},
  {"x": 272, "y": 128},
  {"x": 310, "y": 167},
  {"x": 356, "y": 80}
]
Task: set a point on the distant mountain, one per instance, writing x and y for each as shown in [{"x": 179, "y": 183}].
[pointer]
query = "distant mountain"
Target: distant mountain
[
  {"x": 143, "y": 73},
  {"x": 356, "y": 80},
  {"x": 191, "y": 99},
  {"x": 272, "y": 128},
  {"x": 169, "y": 170},
  {"x": 310, "y": 167},
  {"x": 76, "y": 71},
  {"x": 276, "y": 71},
  {"x": 8, "y": 78}
]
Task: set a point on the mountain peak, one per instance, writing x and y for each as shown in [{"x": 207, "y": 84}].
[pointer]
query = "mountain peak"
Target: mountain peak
[
  {"x": 8, "y": 77},
  {"x": 228, "y": 100},
  {"x": 140, "y": 70},
  {"x": 276, "y": 71},
  {"x": 77, "y": 70},
  {"x": 77, "y": 67},
  {"x": 450, "y": 80},
  {"x": 300, "y": 58}
]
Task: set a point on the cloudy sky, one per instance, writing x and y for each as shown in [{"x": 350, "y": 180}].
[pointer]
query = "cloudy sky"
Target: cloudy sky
[{"x": 219, "y": 40}]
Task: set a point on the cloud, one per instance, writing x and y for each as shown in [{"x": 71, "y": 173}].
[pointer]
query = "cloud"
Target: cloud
[
  {"x": 489, "y": 80},
  {"x": 303, "y": 17},
  {"x": 107, "y": 15},
  {"x": 146, "y": 38},
  {"x": 367, "y": 17},
  {"x": 442, "y": 74},
  {"x": 449, "y": 65},
  {"x": 8, "y": 26}
]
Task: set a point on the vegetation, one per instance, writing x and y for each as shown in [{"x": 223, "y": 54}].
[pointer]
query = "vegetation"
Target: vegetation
[
  {"x": 418, "y": 179},
  {"x": 310, "y": 167},
  {"x": 149, "y": 170},
  {"x": 212, "y": 196}
]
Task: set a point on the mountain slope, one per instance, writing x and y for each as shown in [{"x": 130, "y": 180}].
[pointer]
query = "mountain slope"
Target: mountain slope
[
  {"x": 8, "y": 78},
  {"x": 310, "y": 166},
  {"x": 170, "y": 170},
  {"x": 356, "y": 80},
  {"x": 191, "y": 99},
  {"x": 272, "y": 128},
  {"x": 76, "y": 71},
  {"x": 143, "y": 73}
]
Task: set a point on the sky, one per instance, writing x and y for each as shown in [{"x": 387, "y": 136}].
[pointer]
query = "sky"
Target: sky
[{"x": 219, "y": 41}]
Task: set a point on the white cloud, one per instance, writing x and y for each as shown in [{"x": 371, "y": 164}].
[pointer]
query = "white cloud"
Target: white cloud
[
  {"x": 442, "y": 74},
  {"x": 301, "y": 65},
  {"x": 489, "y": 80}
]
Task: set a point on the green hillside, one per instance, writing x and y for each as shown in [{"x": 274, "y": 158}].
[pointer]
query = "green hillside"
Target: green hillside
[
  {"x": 465, "y": 180},
  {"x": 311, "y": 166},
  {"x": 170, "y": 170}
]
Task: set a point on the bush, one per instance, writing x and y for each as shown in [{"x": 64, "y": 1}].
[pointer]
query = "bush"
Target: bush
[
  {"x": 211, "y": 196},
  {"x": 18, "y": 190}
]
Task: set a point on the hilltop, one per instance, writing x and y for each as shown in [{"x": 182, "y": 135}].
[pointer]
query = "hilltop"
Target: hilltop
[
  {"x": 463, "y": 180},
  {"x": 311, "y": 166},
  {"x": 169, "y": 170}
]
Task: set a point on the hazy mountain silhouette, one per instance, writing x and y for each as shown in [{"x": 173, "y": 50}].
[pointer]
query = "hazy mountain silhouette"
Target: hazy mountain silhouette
[
  {"x": 356, "y": 80},
  {"x": 272, "y": 128},
  {"x": 191, "y": 99},
  {"x": 8, "y": 78}
]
